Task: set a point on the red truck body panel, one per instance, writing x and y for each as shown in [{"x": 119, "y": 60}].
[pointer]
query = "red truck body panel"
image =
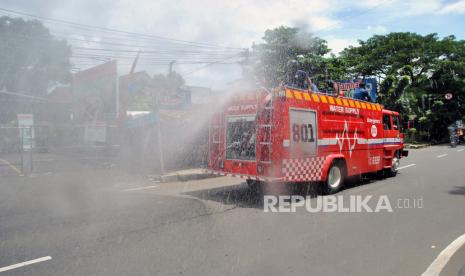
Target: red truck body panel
[{"x": 293, "y": 135}]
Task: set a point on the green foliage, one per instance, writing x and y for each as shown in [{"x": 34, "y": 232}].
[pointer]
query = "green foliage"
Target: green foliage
[
  {"x": 31, "y": 59},
  {"x": 165, "y": 87},
  {"x": 283, "y": 44},
  {"x": 415, "y": 72}
]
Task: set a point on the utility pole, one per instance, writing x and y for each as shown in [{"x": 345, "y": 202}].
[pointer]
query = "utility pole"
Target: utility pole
[
  {"x": 134, "y": 63},
  {"x": 171, "y": 67},
  {"x": 159, "y": 136}
]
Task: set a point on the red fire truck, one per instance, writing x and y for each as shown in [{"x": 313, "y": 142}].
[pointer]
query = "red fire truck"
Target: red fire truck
[{"x": 291, "y": 135}]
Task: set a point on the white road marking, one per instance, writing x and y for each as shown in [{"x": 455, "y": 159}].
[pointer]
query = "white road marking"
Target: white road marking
[
  {"x": 441, "y": 156},
  {"x": 406, "y": 166},
  {"x": 443, "y": 258},
  {"x": 10, "y": 267},
  {"x": 460, "y": 150},
  {"x": 139, "y": 188},
  {"x": 11, "y": 166}
]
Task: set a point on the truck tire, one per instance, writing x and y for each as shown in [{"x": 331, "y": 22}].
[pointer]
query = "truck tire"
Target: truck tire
[
  {"x": 335, "y": 179},
  {"x": 392, "y": 171}
]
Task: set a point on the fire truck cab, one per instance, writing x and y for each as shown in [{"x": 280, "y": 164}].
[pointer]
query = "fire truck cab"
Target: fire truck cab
[{"x": 294, "y": 136}]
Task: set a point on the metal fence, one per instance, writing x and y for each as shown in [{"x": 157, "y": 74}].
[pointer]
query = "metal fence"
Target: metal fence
[{"x": 52, "y": 147}]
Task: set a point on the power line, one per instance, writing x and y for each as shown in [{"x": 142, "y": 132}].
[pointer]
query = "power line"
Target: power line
[
  {"x": 111, "y": 30},
  {"x": 134, "y": 48},
  {"x": 94, "y": 55},
  {"x": 18, "y": 94},
  {"x": 165, "y": 54},
  {"x": 352, "y": 16},
  {"x": 115, "y": 41},
  {"x": 205, "y": 66},
  {"x": 205, "y": 53}
]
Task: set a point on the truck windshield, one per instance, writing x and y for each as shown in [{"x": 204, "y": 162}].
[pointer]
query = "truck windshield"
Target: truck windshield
[{"x": 240, "y": 138}]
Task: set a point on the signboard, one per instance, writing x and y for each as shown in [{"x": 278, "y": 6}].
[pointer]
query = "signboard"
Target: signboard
[
  {"x": 303, "y": 132},
  {"x": 26, "y": 130},
  {"x": 134, "y": 93},
  {"x": 348, "y": 87},
  {"x": 96, "y": 93},
  {"x": 95, "y": 133}
]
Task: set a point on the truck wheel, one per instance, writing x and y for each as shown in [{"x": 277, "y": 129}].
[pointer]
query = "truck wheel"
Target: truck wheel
[
  {"x": 392, "y": 171},
  {"x": 335, "y": 179}
]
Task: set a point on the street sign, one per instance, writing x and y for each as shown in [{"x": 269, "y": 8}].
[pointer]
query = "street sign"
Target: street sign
[
  {"x": 448, "y": 96},
  {"x": 26, "y": 130}
]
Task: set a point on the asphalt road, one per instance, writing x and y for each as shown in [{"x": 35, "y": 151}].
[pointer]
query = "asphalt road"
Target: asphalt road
[{"x": 90, "y": 220}]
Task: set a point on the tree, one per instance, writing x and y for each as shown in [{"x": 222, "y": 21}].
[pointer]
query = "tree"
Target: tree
[
  {"x": 415, "y": 72},
  {"x": 283, "y": 44},
  {"x": 31, "y": 59},
  {"x": 165, "y": 87}
]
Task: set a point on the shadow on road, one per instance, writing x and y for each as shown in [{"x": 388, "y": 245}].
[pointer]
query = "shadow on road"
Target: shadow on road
[
  {"x": 458, "y": 190},
  {"x": 244, "y": 197},
  {"x": 239, "y": 195}
]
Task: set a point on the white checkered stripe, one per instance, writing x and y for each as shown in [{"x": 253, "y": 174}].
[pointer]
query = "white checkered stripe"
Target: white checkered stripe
[{"x": 303, "y": 169}]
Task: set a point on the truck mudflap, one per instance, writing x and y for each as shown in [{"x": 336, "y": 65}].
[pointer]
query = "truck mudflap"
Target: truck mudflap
[{"x": 404, "y": 153}]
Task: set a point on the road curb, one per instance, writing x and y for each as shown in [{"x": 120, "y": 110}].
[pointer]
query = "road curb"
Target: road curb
[
  {"x": 181, "y": 177},
  {"x": 417, "y": 146}
]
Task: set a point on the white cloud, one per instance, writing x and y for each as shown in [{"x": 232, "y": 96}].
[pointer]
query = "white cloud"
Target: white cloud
[
  {"x": 238, "y": 23},
  {"x": 229, "y": 23},
  {"x": 233, "y": 23},
  {"x": 338, "y": 44},
  {"x": 378, "y": 29},
  {"x": 457, "y": 7},
  {"x": 390, "y": 9},
  {"x": 417, "y": 7}
]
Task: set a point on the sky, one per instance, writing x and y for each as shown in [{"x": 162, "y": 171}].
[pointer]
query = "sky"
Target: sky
[{"x": 239, "y": 23}]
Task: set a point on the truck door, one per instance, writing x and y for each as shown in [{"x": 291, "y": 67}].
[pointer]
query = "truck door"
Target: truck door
[
  {"x": 391, "y": 127},
  {"x": 387, "y": 127}
]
